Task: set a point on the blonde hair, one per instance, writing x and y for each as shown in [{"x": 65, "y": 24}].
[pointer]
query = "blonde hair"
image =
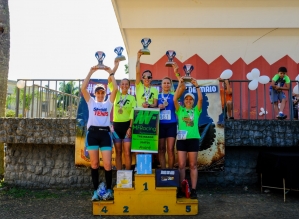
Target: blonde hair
[{"x": 171, "y": 83}]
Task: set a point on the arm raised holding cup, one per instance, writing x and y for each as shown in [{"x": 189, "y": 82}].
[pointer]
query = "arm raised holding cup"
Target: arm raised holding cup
[
  {"x": 146, "y": 96},
  {"x": 98, "y": 136}
]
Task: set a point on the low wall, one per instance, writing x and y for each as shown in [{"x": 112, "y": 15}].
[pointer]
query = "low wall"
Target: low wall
[
  {"x": 40, "y": 153},
  {"x": 269, "y": 133}
]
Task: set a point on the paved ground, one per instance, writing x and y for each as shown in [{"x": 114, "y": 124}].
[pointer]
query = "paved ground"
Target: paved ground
[{"x": 213, "y": 203}]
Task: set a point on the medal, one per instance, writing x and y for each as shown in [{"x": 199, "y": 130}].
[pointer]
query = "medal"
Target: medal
[
  {"x": 146, "y": 94},
  {"x": 165, "y": 103},
  {"x": 191, "y": 117},
  {"x": 121, "y": 104}
]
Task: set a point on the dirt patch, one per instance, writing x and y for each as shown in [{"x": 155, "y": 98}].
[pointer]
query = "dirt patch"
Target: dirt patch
[{"x": 213, "y": 203}]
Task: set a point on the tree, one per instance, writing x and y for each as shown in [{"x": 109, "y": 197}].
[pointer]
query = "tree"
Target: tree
[
  {"x": 4, "y": 60},
  {"x": 66, "y": 102},
  {"x": 11, "y": 100},
  {"x": 126, "y": 68}
]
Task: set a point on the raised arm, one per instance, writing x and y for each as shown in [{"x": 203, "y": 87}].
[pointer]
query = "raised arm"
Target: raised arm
[
  {"x": 178, "y": 92},
  {"x": 116, "y": 64},
  {"x": 199, "y": 94},
  {"x": 228, "y": 88},
  {"x": 112, "y": 79},
  {"x": 137, "y": 81},
  {"x": 176, "y": 70},
  {"x": 84, "y": 91}
]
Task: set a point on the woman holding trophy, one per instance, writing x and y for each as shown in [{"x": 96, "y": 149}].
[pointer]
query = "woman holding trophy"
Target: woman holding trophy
[
  {"x": 98, "y": 136},
  {"x": 123, "y": 112},
  {"x": 188, "y": 135},
  {"x": 146, "y": 96}
]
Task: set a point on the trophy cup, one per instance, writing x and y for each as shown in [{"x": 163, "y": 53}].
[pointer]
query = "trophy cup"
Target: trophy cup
[
  {"x": 188, "y": 68},
  {"x": 170, "y": 54},
  {"x": 118, "y": 51},
  {"x": 145, "y": 42},
  {"x": 100, "y": 57}
]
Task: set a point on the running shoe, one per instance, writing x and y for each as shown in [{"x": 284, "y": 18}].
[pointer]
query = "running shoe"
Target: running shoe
[
  {"x": 95, "y": 196},
  {"x": 180, "y": 193},
  {"x": 108, "y": 195},
  {"x": 193, "y": 194}
]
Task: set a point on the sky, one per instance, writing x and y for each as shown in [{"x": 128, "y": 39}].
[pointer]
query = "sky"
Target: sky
[{"x": 57, "y": 39}]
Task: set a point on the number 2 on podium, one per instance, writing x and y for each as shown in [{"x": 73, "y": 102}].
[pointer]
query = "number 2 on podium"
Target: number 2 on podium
[{"x": 145, "y": 186}]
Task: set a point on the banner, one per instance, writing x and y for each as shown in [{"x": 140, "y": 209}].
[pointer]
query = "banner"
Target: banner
[
  {"x": 145, "y": 130},
  {"x": 212, "y": 146}
]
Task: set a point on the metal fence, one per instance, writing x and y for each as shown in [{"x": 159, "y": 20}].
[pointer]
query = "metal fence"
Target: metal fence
[
  {"x": 256, "y": 104},
  {"x": 42, "y": 98}
]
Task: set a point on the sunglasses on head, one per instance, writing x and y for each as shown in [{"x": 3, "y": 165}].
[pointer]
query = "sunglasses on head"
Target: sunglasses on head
[{"x": 147, "y": 77}]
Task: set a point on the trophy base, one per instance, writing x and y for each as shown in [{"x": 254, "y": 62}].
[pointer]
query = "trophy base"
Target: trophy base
[
  {"x": 101, "y": 66},
  {"x": 187, "y": 79},
  {"x": 145, "y": 52},
  {"x": 168, "y": 64},
  {"x": 120, "y": 58}
]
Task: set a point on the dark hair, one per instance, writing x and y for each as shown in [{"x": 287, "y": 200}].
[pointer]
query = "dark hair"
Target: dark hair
[
  {"x": 146, "y": 72},
  {"x": 126, "y": 80},
  {"x": 282, "y": 69}
]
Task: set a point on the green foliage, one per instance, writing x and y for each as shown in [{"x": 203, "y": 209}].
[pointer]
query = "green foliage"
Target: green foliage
[
  {"x": 65, "y": 101},
  {"x": 60, "y": 112},
  {"x": 10, "y": 113},
  {"x": 11, "y": 99},
  {"x": 16, "y": 192},
  {"x": 126, "y": 68}
]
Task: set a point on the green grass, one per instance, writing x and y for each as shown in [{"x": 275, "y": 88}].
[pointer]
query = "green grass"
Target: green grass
[{"x": 17, "y": 192}]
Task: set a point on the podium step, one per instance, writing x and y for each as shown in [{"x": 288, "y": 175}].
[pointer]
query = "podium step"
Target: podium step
[{"x": 144, "y": 198}]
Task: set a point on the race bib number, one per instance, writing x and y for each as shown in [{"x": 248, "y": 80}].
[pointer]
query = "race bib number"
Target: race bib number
[
  {"x": 165, "y": 115},
  {"x": 182, "y": 135}
]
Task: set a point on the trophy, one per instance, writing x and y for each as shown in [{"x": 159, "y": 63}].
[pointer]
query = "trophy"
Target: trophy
[
  {"x": 188, "y": 68},
  {"x": 118, "y": 51},
  {"x": 145, "y": 42},
  {"x": 100, "y": 57},
  {"x": 170, "y": 54}
]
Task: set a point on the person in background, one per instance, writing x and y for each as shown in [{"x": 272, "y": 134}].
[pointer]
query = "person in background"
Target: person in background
[
  {"x": 188, "y": 134},
  {"x": 280, "y": 83},
  {"x": 295, "y": 98},
  {"x": 98, "y": 136},
  {"x": 123, "y": 112},
  {"x": 226, "y": 95}
]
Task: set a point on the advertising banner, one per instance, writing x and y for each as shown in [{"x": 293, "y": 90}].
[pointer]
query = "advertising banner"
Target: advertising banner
[
  {"x": 211, "y": 147},
  {"x": 145, "y": 130}
]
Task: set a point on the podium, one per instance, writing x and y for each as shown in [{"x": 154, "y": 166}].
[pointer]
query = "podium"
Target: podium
[{"x": 144, "y": 198}]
